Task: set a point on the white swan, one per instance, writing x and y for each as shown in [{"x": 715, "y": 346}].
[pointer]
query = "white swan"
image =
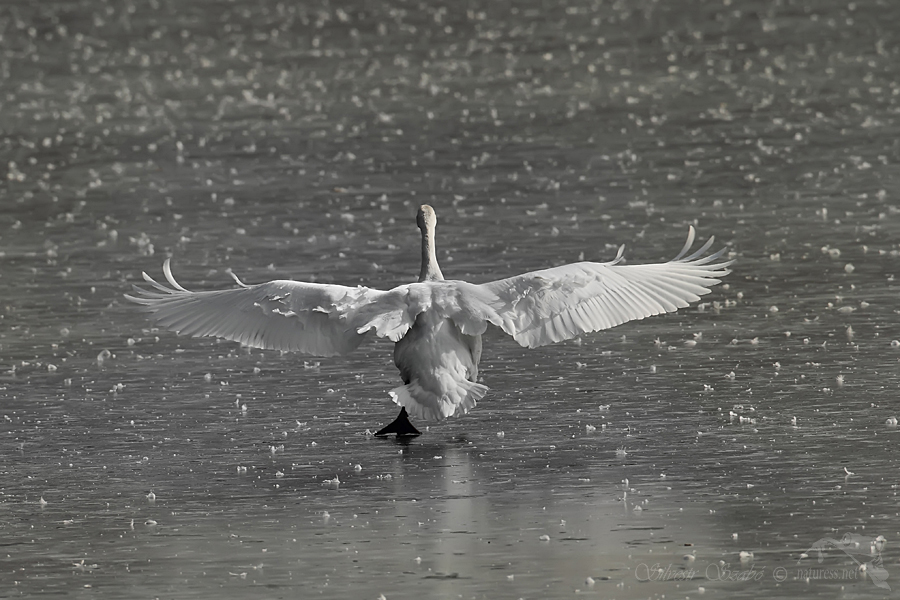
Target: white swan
[{"x": 436, "y": 324}]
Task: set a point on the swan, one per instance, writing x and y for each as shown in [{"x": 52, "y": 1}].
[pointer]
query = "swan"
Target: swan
[{"x": 436, "y": 324}]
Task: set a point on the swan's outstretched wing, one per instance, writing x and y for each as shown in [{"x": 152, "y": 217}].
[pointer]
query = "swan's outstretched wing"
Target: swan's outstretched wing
[
  {"x": 318, "y": 319},
  {"x": 557, "y": 304}
]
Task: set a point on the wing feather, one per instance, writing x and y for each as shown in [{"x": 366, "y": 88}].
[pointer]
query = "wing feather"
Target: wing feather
[
  {"x": 537, "y": 308},
  {"x": 552, "y": 305},
  {"x": 317, "y": 319}
]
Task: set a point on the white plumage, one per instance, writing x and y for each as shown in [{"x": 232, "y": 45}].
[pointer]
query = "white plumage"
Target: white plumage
[{"x": 436, "y": 324}]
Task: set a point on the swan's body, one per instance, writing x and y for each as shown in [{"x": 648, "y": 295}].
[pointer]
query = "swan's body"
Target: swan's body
[{"x": 436, "y": 324}]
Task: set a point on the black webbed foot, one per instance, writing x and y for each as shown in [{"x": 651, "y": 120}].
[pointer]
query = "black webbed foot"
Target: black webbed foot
[{"x": 401, "y": 426}]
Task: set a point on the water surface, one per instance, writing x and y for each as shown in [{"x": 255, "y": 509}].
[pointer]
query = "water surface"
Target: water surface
[{"x": 287, "y": 141}]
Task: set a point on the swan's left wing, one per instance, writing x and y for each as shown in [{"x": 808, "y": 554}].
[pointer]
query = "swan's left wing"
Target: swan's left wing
[
  {"x": 314, "y": 318},
  {"x": 552, "y": 305}
]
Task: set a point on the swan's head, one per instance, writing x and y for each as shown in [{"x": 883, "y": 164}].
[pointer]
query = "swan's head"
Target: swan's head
[{"x": 425, "y": 218}]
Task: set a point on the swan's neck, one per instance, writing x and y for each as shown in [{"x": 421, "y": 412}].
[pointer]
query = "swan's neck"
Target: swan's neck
[{"x": 430, "y": 269}]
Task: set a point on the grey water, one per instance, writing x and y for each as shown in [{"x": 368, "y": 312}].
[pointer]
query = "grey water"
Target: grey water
[{"x": 705, "y": 452}]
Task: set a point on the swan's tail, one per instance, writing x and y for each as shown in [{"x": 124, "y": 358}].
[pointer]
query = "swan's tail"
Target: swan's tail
[{"x": 421, "y": 403}]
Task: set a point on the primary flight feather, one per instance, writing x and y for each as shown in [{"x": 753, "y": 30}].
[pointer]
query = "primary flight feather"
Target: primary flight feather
[{"x": 436, "y": 324}]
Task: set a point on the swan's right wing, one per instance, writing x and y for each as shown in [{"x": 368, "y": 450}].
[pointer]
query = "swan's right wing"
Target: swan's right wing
[
  {"x": 314, "y": 318},
  {"x": 552, "y": 305}
]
